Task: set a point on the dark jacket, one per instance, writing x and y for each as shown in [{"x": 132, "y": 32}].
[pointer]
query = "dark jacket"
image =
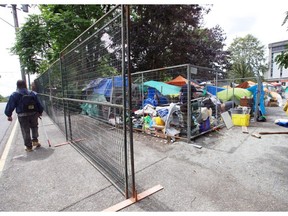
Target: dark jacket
[{"x": 14, "y": 102}]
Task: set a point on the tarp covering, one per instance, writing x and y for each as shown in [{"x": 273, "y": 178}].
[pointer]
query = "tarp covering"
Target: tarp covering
[
  {"x": 254, "y": 90},
  {"x": 277, "y": 97},
  {"x": 180, "y": 81},
  {"x": 103, "y": 86},
  {"x": 246, "y": 84},
  {"x": 214, "y": 89},
  {"x": 227, "y": 94},
  {"x": 163, "y": 88},
  {"x": 93, "y": 110}
]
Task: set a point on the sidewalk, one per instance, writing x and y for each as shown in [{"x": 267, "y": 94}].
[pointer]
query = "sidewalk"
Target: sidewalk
[
  {"x": 51, "y": 178},
  {"x": 232, "y": 172}
]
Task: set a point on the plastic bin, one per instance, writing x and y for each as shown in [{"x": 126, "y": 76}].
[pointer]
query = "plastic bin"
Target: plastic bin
[
  {"x": 204, "y": 126},
  {"x": 241, "y": 119}
]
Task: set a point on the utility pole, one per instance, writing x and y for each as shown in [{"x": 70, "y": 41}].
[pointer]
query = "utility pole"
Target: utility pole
[{"x": 16, "y": 26}]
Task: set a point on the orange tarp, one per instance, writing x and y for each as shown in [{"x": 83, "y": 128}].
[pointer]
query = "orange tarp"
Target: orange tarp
[
  {"x": 180, "y": 81},
  {"x": 246, "y": 84}
]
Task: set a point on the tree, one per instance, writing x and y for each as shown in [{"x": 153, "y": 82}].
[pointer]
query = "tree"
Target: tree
[
  {"x": 165, "y": 35},
  {"x": 3, "y": 99},
  {"x": 240, "y": 70},
  {"x": 43, "y": 36},
  {"x": 161, "y": 35},
  {"x": 282, "y": 59},
  {"x": 246, "y": 57}
]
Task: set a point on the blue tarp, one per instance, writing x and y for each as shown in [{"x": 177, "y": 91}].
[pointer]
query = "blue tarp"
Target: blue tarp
[
  {"x": 103, "y": 86},
  {"x": 214, "y": 89},
  {"x": 254, "y": 90},
  {"x": 151, "y": 92}
]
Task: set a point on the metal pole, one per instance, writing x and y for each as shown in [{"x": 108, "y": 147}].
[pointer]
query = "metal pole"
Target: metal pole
[
  {"x": 16, "y": 25},
  {"x": 216, "y": 105},
  {"x": 124, "y": 100},
  {"x": 134, "y": 192},
  {"x": 189, "y": 111},
  {"x": 61, "y": 56},
  {"x": 258, "y": 93}
]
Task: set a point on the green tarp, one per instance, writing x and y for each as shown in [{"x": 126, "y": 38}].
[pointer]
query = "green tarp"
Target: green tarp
[{"x": 227, "y": 95}]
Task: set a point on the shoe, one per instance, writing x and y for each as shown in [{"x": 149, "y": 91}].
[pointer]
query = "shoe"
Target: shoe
[
  {"x": 36, "y": 144},
  {"x": 29, "y": 149}
]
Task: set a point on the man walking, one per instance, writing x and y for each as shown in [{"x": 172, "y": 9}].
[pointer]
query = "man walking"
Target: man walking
[{"x": 28, "y": 109}]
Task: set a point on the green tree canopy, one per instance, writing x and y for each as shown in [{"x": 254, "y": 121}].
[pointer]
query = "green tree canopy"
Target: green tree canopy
[
  {"x": 3, "y": 99},
  {"x": 247, "y": 57},
  {"x": 165, "y": 35},
  {"x": 282, "y": 59},
  {"x": 43, "y": 36},
  {"x": 161, "y": 35}
]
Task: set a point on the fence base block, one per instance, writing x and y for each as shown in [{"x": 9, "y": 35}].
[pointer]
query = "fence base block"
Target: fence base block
[{"x": 133, "y": 200}]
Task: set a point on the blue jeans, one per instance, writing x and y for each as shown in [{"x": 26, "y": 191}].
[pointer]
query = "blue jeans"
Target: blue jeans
[{"x": 27, "y": 123}]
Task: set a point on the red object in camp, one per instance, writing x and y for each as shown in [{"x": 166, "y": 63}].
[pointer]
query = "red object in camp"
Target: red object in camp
[{"x": 180, "y": 81}]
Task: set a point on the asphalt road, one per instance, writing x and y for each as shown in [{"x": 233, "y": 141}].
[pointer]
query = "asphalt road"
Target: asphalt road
[{"x": 4, "y": 127}]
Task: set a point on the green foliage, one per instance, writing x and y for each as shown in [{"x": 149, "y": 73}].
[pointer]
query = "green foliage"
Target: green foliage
[
  {"x": 161, "y": 35},
  {"x": 44, "y": 36},
  {"x": 165, "y": 35},
  {"x": 3, "y": 99},
  {"x": 240, "y": 70},
  {"x": 247, "y": 57},
  {"x": 285, "y": 19},
  {"x": 282, "y": 59}
]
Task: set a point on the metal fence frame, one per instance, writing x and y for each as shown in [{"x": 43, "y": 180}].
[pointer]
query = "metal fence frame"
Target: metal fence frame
[{"x": 59, "y": 102}]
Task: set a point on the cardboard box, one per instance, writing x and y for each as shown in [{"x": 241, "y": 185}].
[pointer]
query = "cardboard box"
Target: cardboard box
[{"x": 248, "y": 102}]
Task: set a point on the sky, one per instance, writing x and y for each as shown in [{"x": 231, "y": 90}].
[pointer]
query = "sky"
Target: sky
[{"x": 262, "y": 19}]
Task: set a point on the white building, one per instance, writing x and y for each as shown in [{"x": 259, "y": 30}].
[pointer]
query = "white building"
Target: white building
[{"x": 276, "y": 73}]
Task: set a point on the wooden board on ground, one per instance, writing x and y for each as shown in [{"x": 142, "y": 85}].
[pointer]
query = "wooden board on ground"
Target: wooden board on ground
[
  {"x": 273, "y": 132},
  {"x": 244, "y": 129}
]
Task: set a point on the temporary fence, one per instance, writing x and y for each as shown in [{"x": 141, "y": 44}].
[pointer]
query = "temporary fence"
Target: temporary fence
[
  {"x": 87, "y": 91},
  {"x": 91, "y": 95}
]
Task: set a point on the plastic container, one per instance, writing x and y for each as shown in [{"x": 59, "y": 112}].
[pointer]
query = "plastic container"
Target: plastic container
[
  {"x": 204, "y": 126},
  {"x": 241, "y": 119},
  {"x": 236, "y": 111}
]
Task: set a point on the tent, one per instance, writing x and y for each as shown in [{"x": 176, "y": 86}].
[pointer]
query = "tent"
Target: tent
[
  {"x": 214, "y": 89},
  {"x": 246, "y": 84},
  {"x": 276, "y": 84},
  {"x": 254, "y": 90},
  {"x": 163, "y": 88},
  {"x": 277, "y": 97},
  {"x": 103, "y": 86},
  {"x": 227, "y": 94},
  {"x": 180, "y": 81}
]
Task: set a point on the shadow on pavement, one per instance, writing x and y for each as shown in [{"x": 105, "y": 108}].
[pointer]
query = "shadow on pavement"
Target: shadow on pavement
[{"x": 37, "y": 154}]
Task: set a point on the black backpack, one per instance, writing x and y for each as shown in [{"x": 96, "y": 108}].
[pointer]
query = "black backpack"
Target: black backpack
[{"x": 28, "y": 103}]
